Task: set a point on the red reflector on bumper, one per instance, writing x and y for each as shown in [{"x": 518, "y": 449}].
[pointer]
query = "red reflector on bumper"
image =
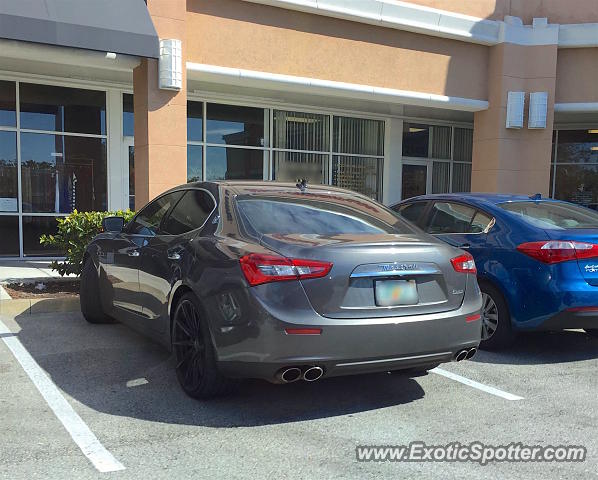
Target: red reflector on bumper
[
  {"x": 303, "y": 331},
  {"x": 473, "y": 318},
  {"x": 583, "y": 309}
]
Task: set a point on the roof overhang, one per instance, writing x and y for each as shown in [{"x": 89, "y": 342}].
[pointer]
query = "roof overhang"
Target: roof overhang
[
  {"x": 313, "y": 86},
  {"x": 434, "y": 22},
  {"x": 117, "y": 26}
]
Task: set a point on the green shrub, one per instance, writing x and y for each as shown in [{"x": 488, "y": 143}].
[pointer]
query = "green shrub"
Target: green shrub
[{"x": 74, "y": 233}]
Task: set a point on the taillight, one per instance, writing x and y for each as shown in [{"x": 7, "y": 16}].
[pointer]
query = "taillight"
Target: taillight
[
  {"x": 464, "y": 263},
  {"x": 583, "y": 309},
  {"x": 556, "y": 251},
  {"x": 260, "y": 269}
]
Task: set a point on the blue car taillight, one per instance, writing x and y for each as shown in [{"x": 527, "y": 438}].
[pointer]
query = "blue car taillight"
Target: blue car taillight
[{"x": 556, "y": 251}]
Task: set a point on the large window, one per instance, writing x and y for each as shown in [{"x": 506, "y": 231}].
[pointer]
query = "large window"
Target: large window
[
  {"x": 235, "y": 142},
  {"x": 60, "y": 165},
  {"x": 302, "y": 143},
  {"x": 574, "y": 167},
  {"x": 447, "y": 149},
  {"x": 226, "y": 141}
]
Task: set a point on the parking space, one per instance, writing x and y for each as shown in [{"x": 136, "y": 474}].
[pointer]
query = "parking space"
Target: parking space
[{"x": 124, "y": 390}]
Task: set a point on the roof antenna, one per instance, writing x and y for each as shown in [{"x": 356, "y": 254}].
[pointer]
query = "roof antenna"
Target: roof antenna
[
  {"x": 537, "y": 196},
  {"x": 301, "y": 184}
]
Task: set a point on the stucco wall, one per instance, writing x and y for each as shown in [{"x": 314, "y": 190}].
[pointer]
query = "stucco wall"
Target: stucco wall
[
  {"x": 577, "y": 71},
  {"x": 557, "y": 11},
  {"x": 233, "y": 33}
]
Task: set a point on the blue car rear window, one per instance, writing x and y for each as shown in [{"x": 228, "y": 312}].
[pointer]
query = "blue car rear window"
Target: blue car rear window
[{"x": 553, "y": 215}]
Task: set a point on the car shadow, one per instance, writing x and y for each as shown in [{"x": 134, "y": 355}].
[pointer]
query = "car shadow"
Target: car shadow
[
  {"x": 544, "y": 348},
  {"x": 98, "y": 366}
]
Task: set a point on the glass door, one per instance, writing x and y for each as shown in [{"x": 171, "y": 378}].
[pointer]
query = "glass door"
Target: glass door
[{"x": 415, "y": 180}]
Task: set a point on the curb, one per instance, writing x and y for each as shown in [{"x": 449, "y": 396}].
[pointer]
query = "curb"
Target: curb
[{"x": 30, "y": 306}]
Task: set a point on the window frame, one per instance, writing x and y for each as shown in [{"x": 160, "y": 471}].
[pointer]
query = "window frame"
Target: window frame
[
  {"x": 555, "y": 163},
  {"x": 17, "y": 79},
  {"x": 430, "y": 159},
  {"x": 269, "y": 150}
]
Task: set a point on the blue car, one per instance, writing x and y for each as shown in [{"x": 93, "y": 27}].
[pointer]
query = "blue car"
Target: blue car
[{"x": 537, "y": 259}]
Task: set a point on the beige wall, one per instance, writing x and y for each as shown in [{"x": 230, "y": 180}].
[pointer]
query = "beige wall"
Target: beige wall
[
  {"x": 577, "y": 74},
  {"x": 160, "y": 115},
  {"x": 508, "y": 160},
  {"x": 233, "y": 33},
  {"x": 557, "y": 11}
]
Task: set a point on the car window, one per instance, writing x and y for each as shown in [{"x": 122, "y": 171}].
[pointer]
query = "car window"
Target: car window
[
  {"x": 553, "y": 215},
  {"x": 190, "y": 213},
  {"x": 147, "y": 221},
  {"x": 448, "y": 217},
  {"x": 318, "y": 215},
  {"x": 480, "y": 222},
  {"x": 411, "y": 211}
]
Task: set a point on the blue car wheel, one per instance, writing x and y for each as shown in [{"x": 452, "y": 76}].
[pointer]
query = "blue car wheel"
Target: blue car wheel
[{"x": 496, "y": 320}]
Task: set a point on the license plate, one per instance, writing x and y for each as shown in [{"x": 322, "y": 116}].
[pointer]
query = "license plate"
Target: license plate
[{"x": 390, "y": 293}]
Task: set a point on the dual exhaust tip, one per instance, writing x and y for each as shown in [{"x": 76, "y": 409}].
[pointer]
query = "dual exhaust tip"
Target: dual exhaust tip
[
  {"x": 292, "y": 374},
  {"x": 465, "y": 354}
]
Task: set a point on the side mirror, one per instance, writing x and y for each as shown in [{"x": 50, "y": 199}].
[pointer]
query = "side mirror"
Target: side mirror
[{"x": 113, "y": 224}]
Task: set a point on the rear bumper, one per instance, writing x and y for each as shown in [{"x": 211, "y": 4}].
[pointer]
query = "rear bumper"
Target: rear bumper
[
  {"x": 571, "y": 320},
  {"x": 256, "y": 345},
  {"x": 268, "y": 371},
  {"x": 353, "y": 348}
]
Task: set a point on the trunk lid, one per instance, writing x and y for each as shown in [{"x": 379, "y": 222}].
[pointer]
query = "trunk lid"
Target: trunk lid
[
  {"x": 361, "y": 261},
  {"x": 587, "y": 266}
]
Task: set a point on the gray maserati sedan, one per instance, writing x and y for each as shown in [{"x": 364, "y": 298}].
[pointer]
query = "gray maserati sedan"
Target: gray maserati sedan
[{"x": 281, "y": 282}]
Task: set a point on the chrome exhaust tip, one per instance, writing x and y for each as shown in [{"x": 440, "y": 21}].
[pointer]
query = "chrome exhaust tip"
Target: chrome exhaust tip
[
  {"x": 461, "y": 355},
  {"x": 312, "y": 374},
  {"x": 289, "y": 375},
  {"x": 471, "y": 352}
]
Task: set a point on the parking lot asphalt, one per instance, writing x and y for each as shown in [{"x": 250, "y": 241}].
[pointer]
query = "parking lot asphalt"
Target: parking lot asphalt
[{"x": 123, "y": 389}]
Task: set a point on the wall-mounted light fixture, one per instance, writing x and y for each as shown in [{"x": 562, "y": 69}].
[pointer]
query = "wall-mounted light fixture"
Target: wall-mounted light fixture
[
  {"x": 538, "y": 110},
  {"x": 170, "y": 64},
  {"x": 515, "y": 107}
]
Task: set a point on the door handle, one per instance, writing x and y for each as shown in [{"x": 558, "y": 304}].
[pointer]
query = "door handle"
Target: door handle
[
  {"x": 133, "y": 253},
  {"x": 465, "y": 246}
]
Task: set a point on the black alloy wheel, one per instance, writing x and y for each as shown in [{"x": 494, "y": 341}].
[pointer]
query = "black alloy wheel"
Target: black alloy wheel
[{"x": 196, "y": 366}]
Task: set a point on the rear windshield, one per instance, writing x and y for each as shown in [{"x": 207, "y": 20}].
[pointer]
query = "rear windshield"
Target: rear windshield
[
  {"x": 317, "y": 215},
  {"x": 553, "y": 215}
]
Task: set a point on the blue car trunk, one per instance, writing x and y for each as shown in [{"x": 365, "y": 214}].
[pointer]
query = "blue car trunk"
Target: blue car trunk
[{"x": 587, "y": 266}]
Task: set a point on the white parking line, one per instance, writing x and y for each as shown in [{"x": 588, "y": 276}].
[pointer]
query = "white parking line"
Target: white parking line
[
  {"x": 474, "y": 384},
  {"x": 91, "y": 447},
  {"x": 137, "y": 382}
]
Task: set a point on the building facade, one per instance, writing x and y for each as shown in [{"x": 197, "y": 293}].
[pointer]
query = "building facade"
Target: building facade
[{"x": 107, "y": 104}]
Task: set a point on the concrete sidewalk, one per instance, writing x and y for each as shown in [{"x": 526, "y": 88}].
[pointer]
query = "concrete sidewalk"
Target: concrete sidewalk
[
  {"x": 27, "y": 271},
  {"x": 32, "y": 271}
]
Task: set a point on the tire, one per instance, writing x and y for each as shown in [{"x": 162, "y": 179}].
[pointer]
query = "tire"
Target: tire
[
  {"x": 89, "y": 295},
  {"x": 497, "y": 332},
  {"x": 592, "y": 332},
  {"x": 196, "y": 365}
]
